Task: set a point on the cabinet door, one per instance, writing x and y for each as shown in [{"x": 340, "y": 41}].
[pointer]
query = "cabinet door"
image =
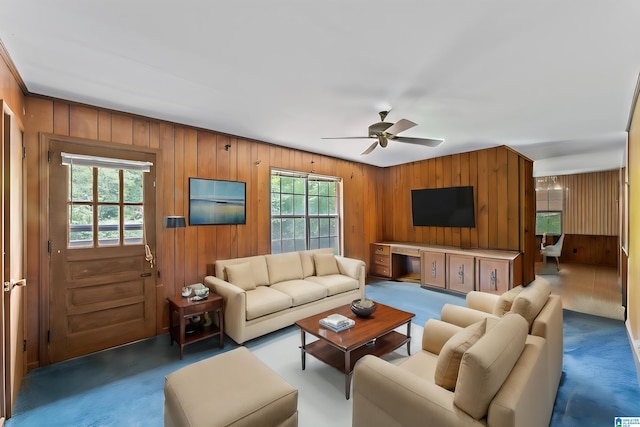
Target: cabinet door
[
  {"x": 461, "y": 273},
  {"x": 433, "y": 269},
  {"x": 493, "y": 275}
]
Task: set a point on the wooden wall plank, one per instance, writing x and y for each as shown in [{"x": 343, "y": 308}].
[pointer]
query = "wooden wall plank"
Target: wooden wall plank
[
  {"x": 104, "y": 126},
  {"x": 83, "y": 122},
  {"x": 122, "y": 129},
  {"x": 190, "y": 158},
  {"x": 493, "y": 207},
  {"x": 482, "y": 221},
  {"x": 60, "y": 118},
  {"x": 473, "y": 181},
  {"x": 502, "y": 200},
  {"x": 141, "y": 135},
  {"x": 207, "y": 234}
]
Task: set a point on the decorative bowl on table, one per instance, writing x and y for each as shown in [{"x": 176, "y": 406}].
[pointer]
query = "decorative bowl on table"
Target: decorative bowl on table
[{"x": 363, "y": 307}]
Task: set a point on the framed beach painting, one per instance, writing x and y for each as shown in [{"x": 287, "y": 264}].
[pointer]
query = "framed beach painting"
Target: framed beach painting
[{"x": 216, "y": 202}]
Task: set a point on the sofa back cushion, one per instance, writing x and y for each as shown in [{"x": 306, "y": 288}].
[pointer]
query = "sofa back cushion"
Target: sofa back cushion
[
  {"x": 283, "y": 267},
  {"x": 241, "y": 275},
  {"x": 530, "y": 301},
  {"x": 308, "y": 264},
  {"x": 506, "y": 301},
  {"x": 487, "y": 364},
  {"x": 326, "y": 264},
  {"x": 258, "y": 268},
  {"x": 448, "y": 363}
]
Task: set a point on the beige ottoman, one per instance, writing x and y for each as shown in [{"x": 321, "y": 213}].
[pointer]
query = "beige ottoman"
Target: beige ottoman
[{"x": 232, "y": 389}]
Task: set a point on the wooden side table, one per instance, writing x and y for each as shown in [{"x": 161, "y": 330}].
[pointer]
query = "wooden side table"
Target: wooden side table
[{"x": 187, "y": 307}]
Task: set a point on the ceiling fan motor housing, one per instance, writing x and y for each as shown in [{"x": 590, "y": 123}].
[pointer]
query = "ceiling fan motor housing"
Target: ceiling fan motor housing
[{"x": 377, "y": 129}]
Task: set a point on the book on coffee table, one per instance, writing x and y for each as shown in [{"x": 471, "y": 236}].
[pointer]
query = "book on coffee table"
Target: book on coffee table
[{"x": 337, "y": 322}]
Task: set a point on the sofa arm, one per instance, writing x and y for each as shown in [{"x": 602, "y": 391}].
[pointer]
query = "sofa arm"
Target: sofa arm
[
  {"x": 351, "y": 267},
  {"x": 436, "y": 333},
  {"x": 235, "y": 306},
  {"x": 387, "y": 395},
  {"x": 463, "y": 316},
  {"x": 482, "y": 301}
]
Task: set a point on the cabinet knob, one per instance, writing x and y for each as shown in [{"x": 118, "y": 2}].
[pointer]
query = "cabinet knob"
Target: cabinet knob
[
  {"x": 433, "y": 269},
  {"x": 461, "y": 273}
]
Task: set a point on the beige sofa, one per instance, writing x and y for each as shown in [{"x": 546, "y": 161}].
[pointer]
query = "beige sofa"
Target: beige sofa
[
  {"x": 541, "y": 309},
  {"x": 491, "y": 373},
  {"x": 267, "y": 292}
]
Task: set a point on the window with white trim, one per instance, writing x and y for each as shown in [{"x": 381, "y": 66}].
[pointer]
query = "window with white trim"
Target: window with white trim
[{"x": 305, "y": 212}]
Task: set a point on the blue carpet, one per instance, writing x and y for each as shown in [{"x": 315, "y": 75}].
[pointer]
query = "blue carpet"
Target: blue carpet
[{"x": 124, "y": 386}]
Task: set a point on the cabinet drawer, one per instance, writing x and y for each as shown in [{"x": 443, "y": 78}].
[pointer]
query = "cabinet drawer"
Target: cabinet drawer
[
  {"x": 461, "y": 273},
  {"x": 201, "y": 307},
  {"x": 433, "y": 270},
  {"x": 380, "y": 249},
  {"x": 493, "y": 275},
  {"x": 381, "y": 260},
  {"x": 381, "y": 270},
  {"x": 406, "y": 251}
]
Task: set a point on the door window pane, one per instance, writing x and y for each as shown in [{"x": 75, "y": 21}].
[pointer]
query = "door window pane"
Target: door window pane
[
  {"x": 133, "y": 217},
  {"x": 132, "y": 187},
  {"x": 81, "y": 183},
  {"x": 80, "y": 226},
  {"x": 108, "y": 185},
  {"x": 108, "y": 225}
]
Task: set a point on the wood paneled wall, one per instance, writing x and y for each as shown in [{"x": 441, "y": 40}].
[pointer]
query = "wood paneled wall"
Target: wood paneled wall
[
  {"x": 633, "y": 284},
  {"x": 185, "y": 152},
  {"x": 591, "y": 203},
  {"x": 376, "y": 201},
  {"x": 504, "y": 200}
]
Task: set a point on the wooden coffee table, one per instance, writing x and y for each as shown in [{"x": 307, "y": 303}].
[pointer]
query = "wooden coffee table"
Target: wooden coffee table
[{"x": 372, "y": 335}]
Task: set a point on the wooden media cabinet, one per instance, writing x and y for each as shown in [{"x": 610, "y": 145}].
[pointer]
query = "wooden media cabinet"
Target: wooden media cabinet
[{"x": 447, "y": 267}]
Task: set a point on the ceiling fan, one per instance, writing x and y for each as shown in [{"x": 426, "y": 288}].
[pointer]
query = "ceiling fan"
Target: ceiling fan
[{"x": 385, "y": 131}]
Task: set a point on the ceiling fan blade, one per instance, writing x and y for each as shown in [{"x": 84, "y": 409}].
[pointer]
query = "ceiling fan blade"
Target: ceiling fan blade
[
  {"x": 400, "y": 126},
  {"x": 420, "y": 141},
  {"x": 370, "y": 149},
  {"x": 347, "y": 137}
]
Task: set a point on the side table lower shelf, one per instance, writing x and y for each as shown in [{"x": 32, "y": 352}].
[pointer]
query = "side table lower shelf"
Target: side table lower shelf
[{"x": 184, "y": 308}]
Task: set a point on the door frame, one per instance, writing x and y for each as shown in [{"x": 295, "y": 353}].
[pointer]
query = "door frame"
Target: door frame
[
  {"x": 45, "y": 140},
  {"x": 7, "y": 397}
]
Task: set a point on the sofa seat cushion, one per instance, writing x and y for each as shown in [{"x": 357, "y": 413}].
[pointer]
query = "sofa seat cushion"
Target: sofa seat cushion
[
  {"x": 263, "y": 300},
  {"x": 335, "y": 283},
  {"x": 421, "y": 364},
  {"x": 301, "y": 291},
  {"x": 287, "y": 266}
]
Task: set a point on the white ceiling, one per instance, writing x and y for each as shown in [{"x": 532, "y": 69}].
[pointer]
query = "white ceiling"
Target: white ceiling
[{"x": 553, "y": 79}]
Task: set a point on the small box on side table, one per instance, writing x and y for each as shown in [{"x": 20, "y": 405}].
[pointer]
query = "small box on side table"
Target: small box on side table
[{"x": 188, "y": 307}]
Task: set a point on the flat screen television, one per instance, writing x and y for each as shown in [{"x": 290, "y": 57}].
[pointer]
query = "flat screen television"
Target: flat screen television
[
  {"x": 443, "y": 207},
  {"x": 216, "y": 202}
]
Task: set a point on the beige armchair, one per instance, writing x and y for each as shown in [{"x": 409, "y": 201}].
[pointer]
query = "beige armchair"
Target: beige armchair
[
  {"x": 498, "y": 380},
  {"x": 535, "y": 303}
]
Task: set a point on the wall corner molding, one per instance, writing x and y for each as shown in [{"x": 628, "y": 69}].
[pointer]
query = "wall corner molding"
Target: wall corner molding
[{"x": 4, "y": 54}]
